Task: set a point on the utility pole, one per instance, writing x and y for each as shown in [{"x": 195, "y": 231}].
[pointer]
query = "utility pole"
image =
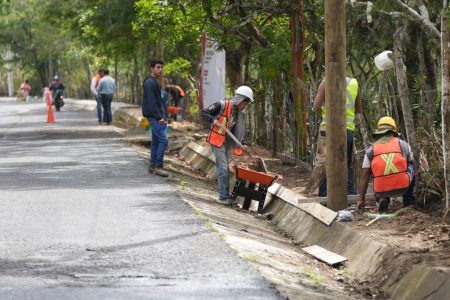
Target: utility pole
[
  {"x": 445, "y": 105},
  {"x": 335, "y": 104}
]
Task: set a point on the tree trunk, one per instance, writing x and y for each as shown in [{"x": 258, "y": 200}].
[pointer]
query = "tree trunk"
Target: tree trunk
[
  {"x": 336, "y": 134},
  {"x": 445, "y": 106},
  {"x": 404, "y": 95},
  {"x": 234, "y": 62},
  {"x": 276, "y": 112},
  {"x": 428, "y": 100},
  {"x": 135, "y": 99},
  {"x": 297, "y": 48},
  {"x": 50, "y": 69},
  {"x": 381, "y": 111},
  {"x": 116, "y": 77}
]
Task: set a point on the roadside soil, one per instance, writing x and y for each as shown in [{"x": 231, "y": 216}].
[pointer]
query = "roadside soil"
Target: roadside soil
[{"x": 418, "y": 236}]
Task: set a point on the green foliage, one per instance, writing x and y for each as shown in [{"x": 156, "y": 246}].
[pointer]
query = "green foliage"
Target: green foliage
[
  {"x": 74, "y": 38},
  {"x": 178, "y": 67}
]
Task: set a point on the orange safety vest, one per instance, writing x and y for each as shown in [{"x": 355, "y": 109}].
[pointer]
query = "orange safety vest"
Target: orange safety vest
[
  {"x": 180, "y": 91},
  {"x": 97, "y": 80},
  {"x": 389, "y": 167},
  {"x": 217, "y": 134}
]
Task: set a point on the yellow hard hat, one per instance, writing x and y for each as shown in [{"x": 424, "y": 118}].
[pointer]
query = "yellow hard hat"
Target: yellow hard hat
[
  {"x": 386, "y": 124},
  {"x": 144, "y": 123},
  {"x": 387, "y": 121}
]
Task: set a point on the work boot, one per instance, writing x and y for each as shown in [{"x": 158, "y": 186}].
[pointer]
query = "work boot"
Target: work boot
[
  {"x": 225, "y": 201},
  {"x": 158, "y": 170},
  {"x": 383, "y": 205}
]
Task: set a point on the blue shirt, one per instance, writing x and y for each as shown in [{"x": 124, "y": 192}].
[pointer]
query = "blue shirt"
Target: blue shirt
[{"x": 106, "y": 86}]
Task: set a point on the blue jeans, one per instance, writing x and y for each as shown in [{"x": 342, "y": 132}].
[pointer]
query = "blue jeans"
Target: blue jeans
[
  {"x": 106, "y": 103},
  {"x": 99, "y": 109},
  {"x": 351, "y": 189},
  {"x": 159, "y": 143},
  {"x": 221, "y": 154}
]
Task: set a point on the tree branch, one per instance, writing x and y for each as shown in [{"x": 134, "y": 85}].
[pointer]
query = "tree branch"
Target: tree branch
[
  {"x": 421, "y": 20},
  {"x": 426, "y": 25}
]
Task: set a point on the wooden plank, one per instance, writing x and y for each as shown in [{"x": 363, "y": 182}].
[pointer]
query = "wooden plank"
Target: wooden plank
[
  {"x": 320, "y": 212},
  {"x": 324, "y": 255},
  {"x": 351, "y": 199}
]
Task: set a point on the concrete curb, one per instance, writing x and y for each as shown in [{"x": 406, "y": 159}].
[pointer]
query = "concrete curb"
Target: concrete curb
[{"x": 129, "y": 113}]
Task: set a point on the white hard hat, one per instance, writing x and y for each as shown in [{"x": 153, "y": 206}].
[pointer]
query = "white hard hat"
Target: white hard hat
[{"x": 245, "y": 91}]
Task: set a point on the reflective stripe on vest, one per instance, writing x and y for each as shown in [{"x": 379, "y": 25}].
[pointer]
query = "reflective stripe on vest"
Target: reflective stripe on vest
[
  {"x": 217, "y": 134},
  {"x": 389, "y": 167},
  {"x": 351, "y": 93}
]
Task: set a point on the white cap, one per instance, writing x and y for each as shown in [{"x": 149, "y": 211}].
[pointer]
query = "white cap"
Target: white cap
[{"x": 246, "y": 92}]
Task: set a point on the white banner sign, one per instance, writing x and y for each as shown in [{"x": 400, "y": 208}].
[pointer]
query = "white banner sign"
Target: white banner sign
[{"x": 213, "y": 74}]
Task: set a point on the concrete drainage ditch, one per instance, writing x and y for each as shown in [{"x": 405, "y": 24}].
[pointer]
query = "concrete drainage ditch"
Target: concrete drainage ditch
[{"x": 367, "y": 258}]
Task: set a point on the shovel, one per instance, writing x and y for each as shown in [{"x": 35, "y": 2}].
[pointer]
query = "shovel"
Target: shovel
[{"x": 258, "y": 159}]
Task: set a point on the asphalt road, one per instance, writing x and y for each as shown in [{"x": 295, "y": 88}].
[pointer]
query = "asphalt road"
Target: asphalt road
[{"x": 80, "y": 218}]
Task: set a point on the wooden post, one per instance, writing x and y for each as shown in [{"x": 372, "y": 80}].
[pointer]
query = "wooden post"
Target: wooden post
[
  {"x": 335, "y": 43},
  {"x": 445, "y": 105}
]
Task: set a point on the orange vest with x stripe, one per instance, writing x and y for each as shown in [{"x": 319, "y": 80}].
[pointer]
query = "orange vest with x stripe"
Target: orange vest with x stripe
[{"x": 389, "y": 167}]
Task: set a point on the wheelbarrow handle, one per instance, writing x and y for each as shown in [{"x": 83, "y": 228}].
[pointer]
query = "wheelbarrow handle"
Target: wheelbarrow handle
[{"x": 235, "y": 139}]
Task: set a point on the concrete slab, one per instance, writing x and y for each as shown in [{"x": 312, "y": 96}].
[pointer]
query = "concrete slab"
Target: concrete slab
[{"x": 324, "y": 255}]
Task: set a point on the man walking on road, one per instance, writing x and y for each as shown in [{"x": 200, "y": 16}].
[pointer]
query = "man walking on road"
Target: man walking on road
[
  {"x": 353, "y": 105},
  {"x": 105, "y": 89},
  {"x": 94, "y": 84},
  {"x": 153, "y": 110},
  {"x": 226, "y": 114}
]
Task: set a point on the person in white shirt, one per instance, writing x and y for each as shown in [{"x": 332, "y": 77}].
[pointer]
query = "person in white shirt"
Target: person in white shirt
[{"x": 94, "y": 84}]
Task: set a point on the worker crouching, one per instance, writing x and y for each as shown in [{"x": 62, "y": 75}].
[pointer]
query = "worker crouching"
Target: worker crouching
[
  {"x": 389, "y": 161},
  {"x": 226, "y": 114}
]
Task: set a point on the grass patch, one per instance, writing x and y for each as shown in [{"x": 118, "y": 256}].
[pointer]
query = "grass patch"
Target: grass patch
[
  {"x": 312, "y": 276},
  {"x": 206, "y": 220}
]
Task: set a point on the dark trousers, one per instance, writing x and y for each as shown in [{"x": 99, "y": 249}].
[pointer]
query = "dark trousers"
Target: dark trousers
[
  {"x": 351, "y": 189},
  {"x": 159, "y": 143},
  {"x": 99, "y": 109},
  {"x": 408, "y": 196},
  {"x": 106, "y": 103}
]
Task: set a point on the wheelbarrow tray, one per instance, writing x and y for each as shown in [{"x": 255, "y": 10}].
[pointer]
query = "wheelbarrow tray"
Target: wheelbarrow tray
[
  {"x": 173, "y": 109},
  {"x": 254, "y": 176}
]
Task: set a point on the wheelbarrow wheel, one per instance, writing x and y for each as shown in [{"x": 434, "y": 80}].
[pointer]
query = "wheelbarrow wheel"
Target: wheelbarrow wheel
[{"x": 248, "y": 200}]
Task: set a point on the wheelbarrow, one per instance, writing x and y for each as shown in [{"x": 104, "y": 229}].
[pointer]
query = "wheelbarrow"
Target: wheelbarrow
[{"x": 251, "y": 185}]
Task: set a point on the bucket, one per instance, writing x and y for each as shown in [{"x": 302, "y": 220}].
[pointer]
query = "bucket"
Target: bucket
[{"x": 383, "y": 60}]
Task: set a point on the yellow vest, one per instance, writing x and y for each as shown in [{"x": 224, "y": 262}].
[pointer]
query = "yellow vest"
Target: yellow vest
[{"x": 352, "y": 92}]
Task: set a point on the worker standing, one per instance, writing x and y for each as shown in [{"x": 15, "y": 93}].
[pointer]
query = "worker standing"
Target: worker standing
[
  {"x": 389, "y": 162},
  {"x": 353, "y": 105},
  {"x": 153, "y": 110},
  {"x": 94, "y": 84},
  {"x": 226, "y": 114},
  {"x": 177, "y": 98}
]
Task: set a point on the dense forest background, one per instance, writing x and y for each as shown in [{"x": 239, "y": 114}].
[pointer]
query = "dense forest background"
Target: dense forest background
[{"x": 276, "y": 47}]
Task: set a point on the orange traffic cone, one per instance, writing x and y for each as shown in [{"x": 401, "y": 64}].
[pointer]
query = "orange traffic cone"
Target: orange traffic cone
[{"x": 50, "y": 115}]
